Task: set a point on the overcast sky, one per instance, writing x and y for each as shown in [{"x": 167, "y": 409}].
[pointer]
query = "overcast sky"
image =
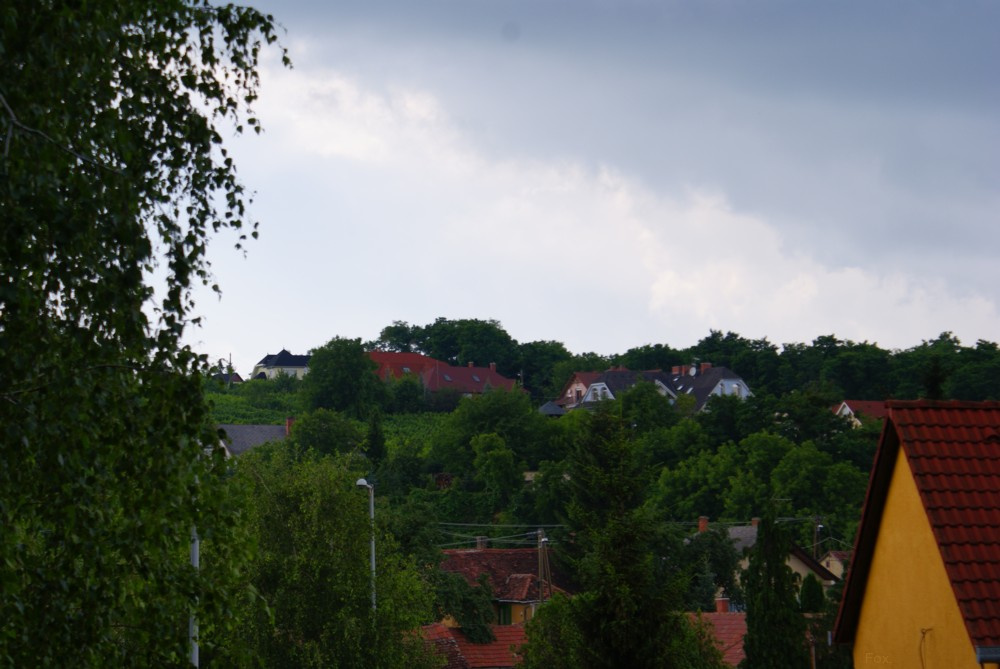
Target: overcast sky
[{"x": 610, "y": 174}]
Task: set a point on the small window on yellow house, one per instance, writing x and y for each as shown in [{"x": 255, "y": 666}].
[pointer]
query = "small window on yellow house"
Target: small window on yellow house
[{"x": 503, "y": 614}]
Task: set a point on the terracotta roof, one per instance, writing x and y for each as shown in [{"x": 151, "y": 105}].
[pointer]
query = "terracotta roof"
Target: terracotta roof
[
  {"x": 463, "y": 654},
  {"x": 953, "y": 449},
  {"x": 870, "y": 408},
  {"x": 464, "y": 379},
  {"x": 511, "y": 572},
  {"x": 728, "y": 629},
  {"x": 399, "y": 364}
]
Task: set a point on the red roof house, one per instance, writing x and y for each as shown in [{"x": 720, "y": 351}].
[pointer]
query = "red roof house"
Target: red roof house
[
  {"x": 923, "y": 588},
  {"x": 512, "y": 574},
  {"x": 853, "y": 410},
  {"x": 461, "y": 653},
  {"x": 436, "y": 375},
  {"x": 729, "y": 628}
]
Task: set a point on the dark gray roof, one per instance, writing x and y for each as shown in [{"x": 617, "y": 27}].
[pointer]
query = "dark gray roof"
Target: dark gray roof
[
  {"x": 551, "y": 409},
  {"x": 618, "y": 380},
  {"x": 701, "y": 384},
  {"x": 284, "y": 359},
  {"x": 241, "y": 438}
]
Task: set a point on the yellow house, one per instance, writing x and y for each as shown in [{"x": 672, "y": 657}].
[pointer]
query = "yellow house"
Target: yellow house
[{"x": 923, "y": 589}]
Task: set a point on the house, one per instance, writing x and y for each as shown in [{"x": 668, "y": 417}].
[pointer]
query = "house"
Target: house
[
  {"x": 584, "y": 389},
  {"x": 227, "y": 378},
  {"x": 836, "y": 562},
  {"x": 283, "y": 362},
  {"x": 855, "y": 410},
  {"x": 923, "y": 589},
  {"x": 728, "y": 628},
  {"x": 461, "y": 653},
  {"x": 520, "y": 581},
  {"x": 241, "y": 438},
  {"x": 702, "y": 381},
  {"x": 744, "y": 537},
  {"x": 437, "y": 376}
]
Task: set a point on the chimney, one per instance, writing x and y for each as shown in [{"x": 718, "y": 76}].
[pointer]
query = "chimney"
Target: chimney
[
  {"x": 493, "y": 366},
  {"x": 705, "y": 366},
  {"x": 754, "y": 522},
  {"x": 702, "y": 524},
  {"x": 470, "y": 363},
  {"x": 482, "y": 542},
  {"x": 288, "y": 425},
  {"x": 722, "y": 605}
]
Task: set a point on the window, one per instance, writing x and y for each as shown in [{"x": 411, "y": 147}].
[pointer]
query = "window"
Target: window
[{"x": 503, "y": 614}]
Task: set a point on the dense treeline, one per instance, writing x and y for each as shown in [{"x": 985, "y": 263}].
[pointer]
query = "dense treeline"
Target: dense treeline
[{"x": 937, "y": 368}]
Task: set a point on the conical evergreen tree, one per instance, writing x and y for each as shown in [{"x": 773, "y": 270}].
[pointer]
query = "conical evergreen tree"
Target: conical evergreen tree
[{"x": 776, "y": 630}]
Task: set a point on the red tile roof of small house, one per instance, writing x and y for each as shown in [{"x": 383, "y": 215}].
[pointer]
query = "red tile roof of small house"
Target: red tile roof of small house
[
  {"x": 464, "y": 654},
  {"x": 728, "y": 629},
  {"x": 869, "y": 408},
  {"x": 511, "y": 572},
  {"x": 953, "y": 449}
]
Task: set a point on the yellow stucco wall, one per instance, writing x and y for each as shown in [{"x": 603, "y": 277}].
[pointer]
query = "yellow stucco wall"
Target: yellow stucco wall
[{"x": 909, "y": 616}]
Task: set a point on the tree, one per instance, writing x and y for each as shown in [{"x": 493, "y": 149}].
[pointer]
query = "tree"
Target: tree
[
  {"x": 341, "y": 377},
  {"x": 112, "y": 165},
  {"x": 327, "y": 432},
  {"x": 536, "y": 361},
  {"x": 776, "y": 630},
  {"x": 629, "y": 613},
  {"x": 311, "y": 525}
]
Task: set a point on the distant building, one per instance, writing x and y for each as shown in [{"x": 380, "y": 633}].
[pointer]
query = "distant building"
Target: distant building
[
  {"x": 855, "y": 410},
  {"x": 702, "y": 381},
  {"x": 283, "y": 362}
]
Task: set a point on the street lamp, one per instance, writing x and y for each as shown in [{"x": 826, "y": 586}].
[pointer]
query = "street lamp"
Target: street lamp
[{"x": 362, "y": 483}]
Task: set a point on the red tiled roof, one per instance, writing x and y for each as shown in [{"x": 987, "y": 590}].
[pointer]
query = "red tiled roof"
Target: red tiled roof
[
  {"x": 437, "y": 375},
  {"x": 870, "y": 408},
  {"x": 463, "y": 654},
  {"x": 728, "y": 629},
  {"x": 953, "y": 449},
  {"x": 512, "y": 572}
]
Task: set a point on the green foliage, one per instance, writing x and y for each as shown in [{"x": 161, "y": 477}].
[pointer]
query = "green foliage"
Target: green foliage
[
  {"x": 713, "y": 559},
  {"x": 112, "y": 166},
  {"x": 496, "y": 468},
  {"x": 470, "y": 605},
  {"x": 327, "y": 432},
  {"x": 629, "y": 612},
  {"x": 311, "y": 525},
  {"x": 776, "y": 630},
  {"x": 341, "y": 377},
  {"x": 263, "y": 402},
  {"x": 510, "y": 415},
  {"x": 811, "y": 597},
  {"x": 536, "y": 362}
]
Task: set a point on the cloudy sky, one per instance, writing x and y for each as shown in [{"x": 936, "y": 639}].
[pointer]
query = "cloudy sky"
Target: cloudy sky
[{"x": 612, "y": 173}]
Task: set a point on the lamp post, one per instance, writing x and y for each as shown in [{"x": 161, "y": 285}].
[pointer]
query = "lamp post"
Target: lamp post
[{"x": 362, "y": 483}]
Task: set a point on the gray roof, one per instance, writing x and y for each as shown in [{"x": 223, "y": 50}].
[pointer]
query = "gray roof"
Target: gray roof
[
  {"x": 701, "y": 384},
  {"x": 284, "y": 359},
  {"x": 241, "y": 438}
]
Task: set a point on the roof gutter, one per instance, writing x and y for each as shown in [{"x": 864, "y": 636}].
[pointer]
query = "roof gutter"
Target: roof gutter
[{"x": 986, "y": 654}]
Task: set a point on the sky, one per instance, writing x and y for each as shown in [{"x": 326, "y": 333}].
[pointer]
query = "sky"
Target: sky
[{"x": 610, "y": 174}]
